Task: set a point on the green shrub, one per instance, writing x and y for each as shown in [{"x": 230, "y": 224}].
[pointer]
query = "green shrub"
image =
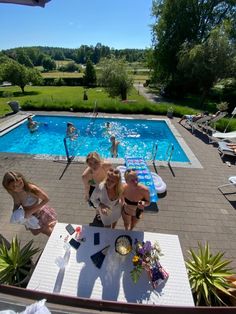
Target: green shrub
[
  {"x": 16, "y": 262},
  {"x": 207, "y": 275},
  {"x": 59, "y": 82},
  {"x": 7, "y": 94}
]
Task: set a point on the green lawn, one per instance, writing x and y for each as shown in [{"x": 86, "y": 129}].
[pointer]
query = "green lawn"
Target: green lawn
[
  {"x": 57, "y": 74},
  {"x": 66, "y": 98},
  {"x": 64, "y": 94}
]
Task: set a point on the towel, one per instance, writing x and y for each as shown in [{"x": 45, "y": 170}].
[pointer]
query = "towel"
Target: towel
[{"x": 18, "y": 217}]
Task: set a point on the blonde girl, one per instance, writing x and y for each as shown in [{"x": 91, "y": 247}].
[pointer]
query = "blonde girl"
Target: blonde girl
[
  {"x": 95, "y": 173},
  {"x": 135, "y": 198},
  {"x": 32, "y": 199},
  {"x": 106, "y": 197}
]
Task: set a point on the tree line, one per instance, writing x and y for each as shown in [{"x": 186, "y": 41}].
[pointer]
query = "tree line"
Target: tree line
[{"x": 42, "y": 56}]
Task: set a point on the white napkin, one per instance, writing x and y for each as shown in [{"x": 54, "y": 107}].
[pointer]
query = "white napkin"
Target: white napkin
[{"x": 18, "y": 217}]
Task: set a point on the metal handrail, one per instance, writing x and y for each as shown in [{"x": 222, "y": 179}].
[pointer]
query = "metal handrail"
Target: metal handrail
[
  {"x": 67, "y": 150},
  {"x": 171, "y": 149},
  {"x": 154, "y": 151}
]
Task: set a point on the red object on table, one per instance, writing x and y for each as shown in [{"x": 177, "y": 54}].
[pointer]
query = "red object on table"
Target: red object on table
[{"x": 78, "y": 229}]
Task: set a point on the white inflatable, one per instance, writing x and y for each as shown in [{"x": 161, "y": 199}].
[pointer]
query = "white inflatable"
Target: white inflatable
[
  {"x": 159, "y": 184},
  {"x": 121, "y": 168},
  {"x": 122, "y": 171}
]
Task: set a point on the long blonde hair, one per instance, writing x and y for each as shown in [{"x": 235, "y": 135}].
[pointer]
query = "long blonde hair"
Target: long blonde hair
[
  {"x": 13, "y": 176},
  {"x": 93, "y": 155},
  {"x": 119, "y": 185}
]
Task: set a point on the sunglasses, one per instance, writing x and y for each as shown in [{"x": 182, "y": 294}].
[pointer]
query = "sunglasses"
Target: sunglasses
[
  {"x": 115, "y": 171},
  {"x": 130, "y": 170}
]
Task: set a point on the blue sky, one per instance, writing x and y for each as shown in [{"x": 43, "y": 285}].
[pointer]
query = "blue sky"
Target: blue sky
[{"x": 71, "y": 23}]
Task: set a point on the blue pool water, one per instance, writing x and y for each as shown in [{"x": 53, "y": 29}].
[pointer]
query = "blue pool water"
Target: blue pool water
[{"x": 136, "y": 138}]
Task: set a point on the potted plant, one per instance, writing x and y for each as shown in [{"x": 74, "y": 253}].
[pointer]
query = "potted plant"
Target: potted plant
[
  {"x": 16, "y": 263},
  {"x": 222, "y": 106},
  {"x": 170, "y": 112},
  {"x": 208, "y": 276}
]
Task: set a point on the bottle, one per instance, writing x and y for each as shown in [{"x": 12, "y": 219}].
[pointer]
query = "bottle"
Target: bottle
[{"x": 139, "y": 210}]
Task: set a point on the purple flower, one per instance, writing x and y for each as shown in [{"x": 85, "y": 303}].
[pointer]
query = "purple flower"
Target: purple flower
[
  {"x": 141, "y": 251},
  {"x": 147, "y": 247}
]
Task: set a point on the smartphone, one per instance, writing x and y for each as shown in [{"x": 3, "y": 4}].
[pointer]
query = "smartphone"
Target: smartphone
[
  {"x": 75, "y": 244},
  {"x": 70, "y": 229},
  {"x": 96, "y": 238}
]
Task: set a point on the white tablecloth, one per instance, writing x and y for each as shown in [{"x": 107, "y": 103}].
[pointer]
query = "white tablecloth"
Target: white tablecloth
[{"x": 113, "y": 281}]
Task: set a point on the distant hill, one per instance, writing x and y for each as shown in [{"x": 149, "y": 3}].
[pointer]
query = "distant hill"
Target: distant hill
[{"x": 34, "y": 56}]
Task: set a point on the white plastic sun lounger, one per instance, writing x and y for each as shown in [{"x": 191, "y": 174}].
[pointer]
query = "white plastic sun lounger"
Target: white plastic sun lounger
[
  {"x": 213, "y": 121},
  {"x": 199, "y": 122},
  {"x": 228, "y": 135},
  {"x": 224, "y": 149}
]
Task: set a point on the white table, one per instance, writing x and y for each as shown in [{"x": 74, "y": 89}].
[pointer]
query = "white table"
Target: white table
[{"x": 113, "y": 281}]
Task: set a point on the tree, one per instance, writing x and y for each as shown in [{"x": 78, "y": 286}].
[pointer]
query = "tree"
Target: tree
[
  {"x": 23, "y": 58},
  {"x": 18, "y": 74},
  {"x": 69, "y": 67},
  {"x": 181, "y": 22},
  {"x": 204, "y": 64},
  {"x": 89, "y": 74},
  {"x": 114, "y": 77},
  {"x": 48, "y": 64}
]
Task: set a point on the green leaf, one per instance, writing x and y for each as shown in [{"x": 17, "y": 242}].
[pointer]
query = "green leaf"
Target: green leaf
[
  {"x": 136, "y": 273},
  {"x": 207, "y": 275},
  {"x": 14, "y": 262}
]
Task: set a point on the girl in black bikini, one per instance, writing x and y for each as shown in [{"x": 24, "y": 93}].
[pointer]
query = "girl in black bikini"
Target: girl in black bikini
[{"x": 135, "y": 198}]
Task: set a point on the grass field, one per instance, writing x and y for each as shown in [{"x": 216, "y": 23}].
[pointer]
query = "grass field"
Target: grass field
[
  {"x": 66, "y": 94},
  {"x": 138, "y": 77},
  {"x": 57, "y": 74}
]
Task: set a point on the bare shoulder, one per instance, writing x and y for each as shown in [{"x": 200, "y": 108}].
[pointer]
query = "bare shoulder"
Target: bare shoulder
[
  {"x": 124, "y": 187},
  {"x": 143, "y": 187},
  {"x": 35, "y": 189},
  {"x": 87, "y": 172},
  {"x": 106, "y": 165}
]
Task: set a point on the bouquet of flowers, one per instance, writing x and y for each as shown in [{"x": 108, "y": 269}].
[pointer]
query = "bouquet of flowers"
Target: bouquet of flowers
[{"x": 147, "y": 258}]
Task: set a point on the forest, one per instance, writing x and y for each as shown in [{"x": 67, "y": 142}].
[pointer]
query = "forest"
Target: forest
[{"x": 35, "y": 56}]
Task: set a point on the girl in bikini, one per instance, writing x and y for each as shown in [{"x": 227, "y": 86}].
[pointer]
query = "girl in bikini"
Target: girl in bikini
[
  {"x": 94, "y": 174},
  {"x": 32, "y": 199},
  {"x": 135, "y": 198}
]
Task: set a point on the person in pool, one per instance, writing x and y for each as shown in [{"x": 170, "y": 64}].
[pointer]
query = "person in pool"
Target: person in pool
[
  {"x": 114, "y": 147},
  {"x": 107, "y": 129},
  {"x": 71, "y": 131},
  {"x": 135, "y": 198},
  {"x": 95, "y": 173},
  {"x": 32, "y": 125}
]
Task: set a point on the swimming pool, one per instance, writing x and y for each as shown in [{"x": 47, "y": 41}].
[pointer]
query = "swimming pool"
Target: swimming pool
[{"x": 136, "y": 137}]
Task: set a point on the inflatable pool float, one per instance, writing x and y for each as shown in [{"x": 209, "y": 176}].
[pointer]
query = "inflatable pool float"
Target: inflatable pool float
[
  {"x": 122, "y": 171},
  {"x": 159, "y": 184},
  {"x": 145, "y": 175}
]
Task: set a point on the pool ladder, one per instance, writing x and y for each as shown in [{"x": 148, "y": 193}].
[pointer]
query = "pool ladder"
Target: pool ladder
[{"x": 169, "y": 152}]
